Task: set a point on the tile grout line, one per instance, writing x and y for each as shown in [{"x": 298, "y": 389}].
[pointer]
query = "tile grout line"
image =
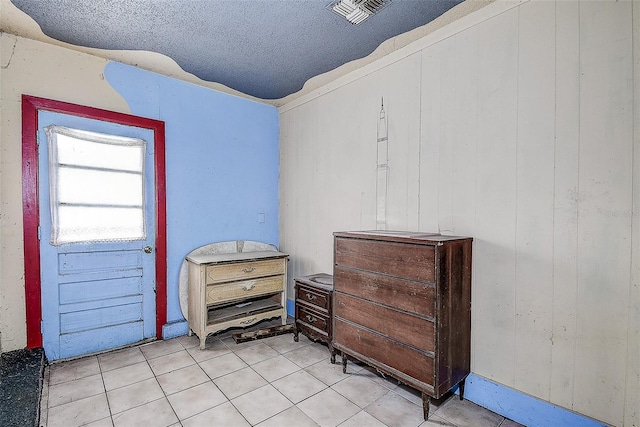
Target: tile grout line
[
  {"x": 158, "y": 382},
  {"x": 104, "y": 386}
]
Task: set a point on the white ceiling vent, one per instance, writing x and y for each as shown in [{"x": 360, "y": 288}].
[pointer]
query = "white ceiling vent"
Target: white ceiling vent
[{"x": 356, "y": 11}]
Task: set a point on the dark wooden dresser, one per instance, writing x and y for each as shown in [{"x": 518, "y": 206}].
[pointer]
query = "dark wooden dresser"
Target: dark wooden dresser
[
  {"x": 314, "y": 294},
  {"x": 402, "y": 304}
]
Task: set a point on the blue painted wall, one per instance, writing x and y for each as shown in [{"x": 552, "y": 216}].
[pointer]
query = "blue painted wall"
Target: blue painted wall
[{"x": 222, "y": 160}]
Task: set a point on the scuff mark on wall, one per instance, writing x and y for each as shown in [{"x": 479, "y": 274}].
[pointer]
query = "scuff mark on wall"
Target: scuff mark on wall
[{"x": 6, "y": 65}]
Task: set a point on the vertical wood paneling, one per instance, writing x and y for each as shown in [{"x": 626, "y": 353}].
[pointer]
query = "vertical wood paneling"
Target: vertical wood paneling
[
  {"x": 526, "y": 144},
  {"x": 429, "y": 138},
  {"x": 294, "y": 211},
  {"x": 338, "y": 145},
  {"x": 604, "y": 222},
  {"x": 463, "y": 104},
  {"x": 349, "y": 131},
  {"x": 403, "y": 112},
  {"x": 493, "y": 303},
  {"x": 534, "y": 197},
  {"x": 448, "y": 135},
  {"x": 632, "y": 392},
  {"x": 305, "y": 201},
  {"x": 320, "y": 168},
  {"x": 565, "y": 215}
]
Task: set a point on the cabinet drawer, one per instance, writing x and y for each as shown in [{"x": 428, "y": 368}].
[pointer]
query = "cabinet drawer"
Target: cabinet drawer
[
  {"x": 380, "y": 349},
  {"x": 414, "y": 297},
  {"x": 312, "y": 318},
  {"x": 413, "y": 262},
  {"x": 245, "y": 289},
  {"x": 400, "y": 326},
  {"x": 312, "y": 296},
  {"x": 244, "y": 270}
]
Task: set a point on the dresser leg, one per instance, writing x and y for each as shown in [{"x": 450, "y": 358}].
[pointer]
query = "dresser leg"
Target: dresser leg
[
  {"x": 344, "y": 363},
  {"x": 295, "y": 334},
  {"x": 203, "y": 343},
  {"x": 425, "y": 405},
  {"x": 332, "y": 352},
  {"x": 461, "y": 386}
]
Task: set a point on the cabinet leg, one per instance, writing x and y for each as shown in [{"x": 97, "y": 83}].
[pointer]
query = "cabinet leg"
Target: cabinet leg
[
  {"x": 425, "y": 405},
  {"x": 461, "y": 386},
  {"x": 295, "y": 334},
  {"x": 203, "y": 342},
  {"x": 190, "y": 332},
  {"x": 344, "y": 363}
]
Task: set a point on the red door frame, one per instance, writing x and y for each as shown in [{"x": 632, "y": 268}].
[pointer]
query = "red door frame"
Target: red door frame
[{"x": 30, "y": 206}]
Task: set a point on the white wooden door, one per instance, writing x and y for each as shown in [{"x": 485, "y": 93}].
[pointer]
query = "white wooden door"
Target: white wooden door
[{"x": 97, "y": 233}]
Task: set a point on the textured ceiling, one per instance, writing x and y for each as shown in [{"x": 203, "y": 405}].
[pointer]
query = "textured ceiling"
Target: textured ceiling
[{"x": 263, "y": 48}]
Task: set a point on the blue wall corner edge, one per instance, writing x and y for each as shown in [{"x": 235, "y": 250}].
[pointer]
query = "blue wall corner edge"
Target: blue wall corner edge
[{"x": 291, "y": 308}]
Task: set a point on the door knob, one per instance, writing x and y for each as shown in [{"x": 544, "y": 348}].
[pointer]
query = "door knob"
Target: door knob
[{"x": 147, "y": 249}]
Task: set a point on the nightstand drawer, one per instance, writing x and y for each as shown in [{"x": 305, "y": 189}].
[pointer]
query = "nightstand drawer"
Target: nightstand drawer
[
  {"x": 312, "y": 318},
  {"x": 313, "y": 297},
  {"x": 244, "y": 270}
]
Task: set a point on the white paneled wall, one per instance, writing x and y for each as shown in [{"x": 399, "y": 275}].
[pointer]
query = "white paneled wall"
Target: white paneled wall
[
  {"x": 632, "y": 390},
  {"x": 493, "y": 290},
  {"x": 605, "y": 205},
  {"x": 518, "y": 126},
  {"x": 565, "y": 203}
]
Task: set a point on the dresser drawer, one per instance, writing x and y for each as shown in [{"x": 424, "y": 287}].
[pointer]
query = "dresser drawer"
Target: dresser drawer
[
  {"x": 312, "y": 296},
  {"x": 311, "y": 318},
  {"x": 410, "y": 296},
  {"x": 403, "y": 327},
  {"x": 224, "y": 292},
  {"x": 378, "y": 349},
  {"x": 244, "y": 270},
  {"x": 413, "y": 262}
]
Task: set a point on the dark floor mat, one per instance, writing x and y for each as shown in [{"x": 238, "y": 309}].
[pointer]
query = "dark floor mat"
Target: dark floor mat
[{"x": 21, "y": 374}]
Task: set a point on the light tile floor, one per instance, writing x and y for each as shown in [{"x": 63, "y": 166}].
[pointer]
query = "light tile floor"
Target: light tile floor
[{"x": 271, "y": 382}]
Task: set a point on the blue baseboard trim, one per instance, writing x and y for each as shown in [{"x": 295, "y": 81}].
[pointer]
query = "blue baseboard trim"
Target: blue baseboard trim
[
  {"x": 291, "y": 308},
  {"x": 174, "y": 329},
  {"x": 520, "y": 407}
]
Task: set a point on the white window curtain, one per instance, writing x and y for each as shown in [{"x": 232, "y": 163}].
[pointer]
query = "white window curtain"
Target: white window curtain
[{"x": 96, "y": 186}]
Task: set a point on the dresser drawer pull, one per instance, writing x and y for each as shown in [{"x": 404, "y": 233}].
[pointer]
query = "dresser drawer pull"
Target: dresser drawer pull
[
  {"x": 310, "y": 318},
  {"x": 248, "y": 270},
  {"x": 249, "y": 287},
  {"x": 311, "y": 297},
  {"x": 248, "y": 321}
]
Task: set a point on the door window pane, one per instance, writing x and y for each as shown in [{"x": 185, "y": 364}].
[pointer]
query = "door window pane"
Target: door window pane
[{"x": 96, "y": 186}]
